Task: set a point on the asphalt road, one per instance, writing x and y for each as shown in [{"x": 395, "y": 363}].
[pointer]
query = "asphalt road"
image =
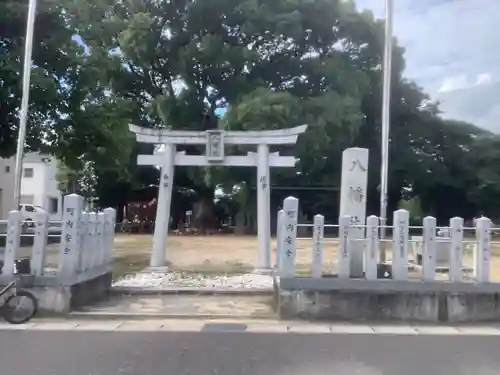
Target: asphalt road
[{"x": 235, "y": 353}]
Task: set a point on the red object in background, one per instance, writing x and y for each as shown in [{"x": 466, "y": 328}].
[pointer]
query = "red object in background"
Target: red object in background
[{"x": 144, "y": 211}]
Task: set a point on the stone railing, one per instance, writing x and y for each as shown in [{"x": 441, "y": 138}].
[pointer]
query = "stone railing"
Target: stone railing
[
  {"x": 86, "y": 240},
  {"x": 436, "y": 250},
  {"x": 79, "y": 270}
]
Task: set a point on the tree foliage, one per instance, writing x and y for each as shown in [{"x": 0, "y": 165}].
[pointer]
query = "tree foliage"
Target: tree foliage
[
  {"x": 266, "y": 64},
  {"x": 52, "y": 51},
  {"x": 73, "y": 112}
]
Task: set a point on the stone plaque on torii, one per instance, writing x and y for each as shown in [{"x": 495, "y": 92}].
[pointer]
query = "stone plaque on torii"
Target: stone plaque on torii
[{"x": 215, "y": 141}]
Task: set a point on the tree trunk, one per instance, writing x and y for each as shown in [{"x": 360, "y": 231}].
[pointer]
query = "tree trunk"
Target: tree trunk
[
  {"x": 204, "y": 208},
  {"x": 73, "y": 183},
  {"x": 240, "y": 224}
]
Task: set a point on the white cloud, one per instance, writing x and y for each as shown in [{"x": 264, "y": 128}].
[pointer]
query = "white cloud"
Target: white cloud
[
  {"x": 454, "y": 83},
  {"x": 483, "y": 79},
  {"x": 463, "y": 81},
  {"x": 450, "y": 44}
]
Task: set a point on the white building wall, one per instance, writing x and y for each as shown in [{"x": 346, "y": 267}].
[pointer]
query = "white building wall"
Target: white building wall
[
  {"x": 52, "y": 195},
  {"x": 7, "y": 170},
  {"x": 38, "y": 186},
  {"x": 33, "y": 184}
]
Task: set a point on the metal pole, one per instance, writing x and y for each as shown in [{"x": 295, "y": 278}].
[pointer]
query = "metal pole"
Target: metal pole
[
  {"x": 23, "y": 116},
  {"x": 386, "y": 104}
]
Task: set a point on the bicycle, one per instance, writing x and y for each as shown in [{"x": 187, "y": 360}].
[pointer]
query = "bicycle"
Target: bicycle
[{"x": 10, "y": 307}]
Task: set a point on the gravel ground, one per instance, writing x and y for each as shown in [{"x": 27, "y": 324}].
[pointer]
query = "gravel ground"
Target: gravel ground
[{"x": 193, "y": 280}]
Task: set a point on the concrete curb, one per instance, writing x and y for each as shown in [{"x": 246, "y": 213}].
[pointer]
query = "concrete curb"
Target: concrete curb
[
  {"x": 250, "y": 326},
  {"x": 82, "y": 315},
  {"x": 120, "y": 291}
]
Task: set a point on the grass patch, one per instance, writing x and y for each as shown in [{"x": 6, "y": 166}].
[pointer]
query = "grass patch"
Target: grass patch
[{"x": 208, "y": 268}]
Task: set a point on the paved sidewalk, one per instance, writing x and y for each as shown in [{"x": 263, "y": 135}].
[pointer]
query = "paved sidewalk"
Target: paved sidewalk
[{"x": 249, "y": 326}]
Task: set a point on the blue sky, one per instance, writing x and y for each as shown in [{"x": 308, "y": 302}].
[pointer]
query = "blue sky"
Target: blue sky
[{"x": 453, "y": 52}]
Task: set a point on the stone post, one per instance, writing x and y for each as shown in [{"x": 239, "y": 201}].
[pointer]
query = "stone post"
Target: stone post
[
  {"x": 39, "y": 243},
  {"x": 289, "y": 236},
  {"x": 371, "y": 250},
  {"x": 354, "y": 183},
  {"x": 345, "y": 247},
  {"x": 318, "y": 240},
  {"x": 70, "y": 236},
  {"x": 429, "y": 249},
  {"x": 279, "y": 239},
  {"x": 110, "y": 215},
  {"x": 101, "y": 221},
  {"x": 160, "y": 236},
  {"x": 263, "y": 207},
  {"x": 456, "y": 248},
  {"x": 92, "y": 240},
  {"x": 85, "y": 249},
  {"x": 483, "y": 250},
  {"x": 12, "y": 242},
  {"x": 400, "y": 245}
]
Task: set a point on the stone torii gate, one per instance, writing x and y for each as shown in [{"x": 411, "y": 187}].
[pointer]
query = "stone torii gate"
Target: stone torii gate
[{"x": 215, "y": 141}]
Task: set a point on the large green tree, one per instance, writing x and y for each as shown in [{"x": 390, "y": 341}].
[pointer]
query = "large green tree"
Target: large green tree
[
  {"x": 52, "y": 55},
  {"x": 72, "y": 112},
  {"x": 278, "y": 63},
  {"x": 181, "y": 61}
]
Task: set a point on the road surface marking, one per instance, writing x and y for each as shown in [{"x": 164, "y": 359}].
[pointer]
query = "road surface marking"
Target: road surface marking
[
  {"x": 480, "y": 331},
  {"x": 436, "y": 330},
  {"x": 394, "y": 330},
  {"x": 138, "y": 325},
  {"x": 102, "y": 325},
  {"x": 351, "y": 329},
  {"x": 64, "y": 325},
  {"x": 183, "y": 325},
  {"x": 267, "y": 328},
  {"x": 308, "y": 328}
]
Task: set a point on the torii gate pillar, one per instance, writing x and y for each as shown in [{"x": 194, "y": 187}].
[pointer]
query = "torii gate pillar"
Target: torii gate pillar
[{"x": 263, "y": 207}]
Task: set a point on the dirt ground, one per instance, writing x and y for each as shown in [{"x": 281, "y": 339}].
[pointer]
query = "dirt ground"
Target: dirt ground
[
  {"x": 235, "y": 254},
  {"x": 224, "y": 254}
]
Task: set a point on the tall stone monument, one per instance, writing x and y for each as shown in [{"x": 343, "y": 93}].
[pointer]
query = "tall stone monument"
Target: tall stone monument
[{"x": 353, "y": 201}]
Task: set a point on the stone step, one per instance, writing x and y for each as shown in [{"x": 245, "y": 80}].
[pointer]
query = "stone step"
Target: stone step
[{"x": 179, "y": 306}]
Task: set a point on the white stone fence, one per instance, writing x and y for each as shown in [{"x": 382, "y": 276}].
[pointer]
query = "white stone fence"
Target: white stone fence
[
  {"x": 436, "y": 249},
  {"x": 85, "y": 246}
]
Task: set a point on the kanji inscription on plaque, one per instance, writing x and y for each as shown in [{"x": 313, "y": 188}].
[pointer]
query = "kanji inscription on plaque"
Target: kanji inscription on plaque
[{"x": 215, "y": 145}]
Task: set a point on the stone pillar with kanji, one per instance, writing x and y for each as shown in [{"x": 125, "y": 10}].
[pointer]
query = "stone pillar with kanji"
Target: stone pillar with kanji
[{"x": 353, "y": 202}]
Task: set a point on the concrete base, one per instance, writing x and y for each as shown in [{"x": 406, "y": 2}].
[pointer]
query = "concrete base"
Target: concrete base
[
  {"x": 161, "y": 269},
  {"x": 384, "y": 300},
  {"x": 439, "y": 268},
  {"x": 61, "y": 298},
  {"x": 264, "y": 271}
]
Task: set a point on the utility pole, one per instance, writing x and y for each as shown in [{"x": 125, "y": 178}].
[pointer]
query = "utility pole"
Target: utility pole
[
  {"x": 23, "y": 115},
  {"x": 386, "y": 121}
]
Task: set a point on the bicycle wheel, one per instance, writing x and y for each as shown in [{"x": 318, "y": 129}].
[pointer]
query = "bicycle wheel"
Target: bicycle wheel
[{"x": 20, "y": 308}]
